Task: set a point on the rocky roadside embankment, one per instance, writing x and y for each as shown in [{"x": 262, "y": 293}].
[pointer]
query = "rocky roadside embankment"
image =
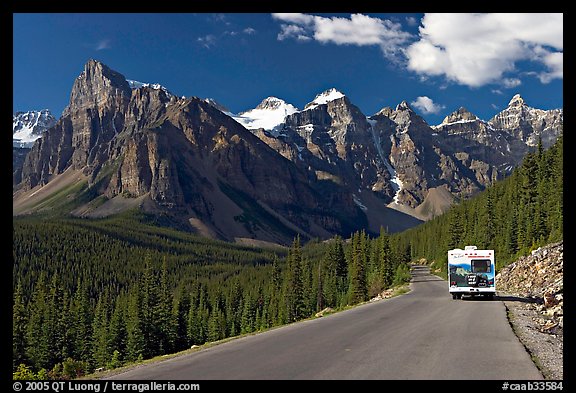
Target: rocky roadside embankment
[{"x": 532, "y": 290}]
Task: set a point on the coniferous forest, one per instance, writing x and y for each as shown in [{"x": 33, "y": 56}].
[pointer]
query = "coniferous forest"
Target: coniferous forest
[
  {"x": 101, "y": 293},
  {"x": 514, "y": 216}
]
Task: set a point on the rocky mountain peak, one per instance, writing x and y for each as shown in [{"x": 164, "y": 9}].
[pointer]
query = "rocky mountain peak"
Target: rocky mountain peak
[
  {"x": 269, "y": 114},
  {"x": 403, "y": 106},
  {"x": 406, "y": 119},
  {"x": 517, "y": 100},
  {"x": 95, "y": 85},
  {"x": 386, "y": 111},
  {"x": 217, "y": 105},
  {"x": 545, "y": 124},
  {"x": 271, "y": 103},
  {"x": 461, "y": 115},
  {"x": 324, "y": 98},
  {"x": 177, "y": 151}
]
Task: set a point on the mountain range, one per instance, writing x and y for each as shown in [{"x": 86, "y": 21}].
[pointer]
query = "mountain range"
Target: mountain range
[{"x": 270, "y": 172}]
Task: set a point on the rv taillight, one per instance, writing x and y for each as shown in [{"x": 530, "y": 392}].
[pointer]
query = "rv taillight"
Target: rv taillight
[{"x": 453, "y": 283}]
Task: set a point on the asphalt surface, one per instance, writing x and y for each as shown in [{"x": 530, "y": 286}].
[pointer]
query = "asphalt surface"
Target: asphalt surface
[{"x": 423, "y": 334}]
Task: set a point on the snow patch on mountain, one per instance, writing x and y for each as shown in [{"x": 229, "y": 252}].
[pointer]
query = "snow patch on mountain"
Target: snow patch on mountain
[
  {"x": 27, "y": 127},
  {"x": 218, "y": 106},
  {"x": 395, "y": 181},
  {"x": 359, "y": 203},
  {"x": 156, "y": 86},
  {"x": 324, "y": 98},
  {"x": 451, "y": 123},
  {"x": 269, "y": 115}
]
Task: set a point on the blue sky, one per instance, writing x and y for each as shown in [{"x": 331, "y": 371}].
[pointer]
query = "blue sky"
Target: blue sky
[{"x": 436, "y": 62}]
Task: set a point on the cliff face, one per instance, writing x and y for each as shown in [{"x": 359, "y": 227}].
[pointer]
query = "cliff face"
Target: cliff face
[
  {"x": 334, "y": 142},
  {"x": 322, "y": 170},
  {"x": 529, "y": 124},
  {"x": 93, "y": 117},
  {"x": 186, "y": 156}
]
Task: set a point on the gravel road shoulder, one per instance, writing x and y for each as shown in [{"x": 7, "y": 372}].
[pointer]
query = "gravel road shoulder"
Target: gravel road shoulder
[{"x": 541, "y": 337}]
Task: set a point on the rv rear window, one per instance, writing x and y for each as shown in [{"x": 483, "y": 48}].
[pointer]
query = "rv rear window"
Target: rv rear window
[{"x": 480, "y": 265}]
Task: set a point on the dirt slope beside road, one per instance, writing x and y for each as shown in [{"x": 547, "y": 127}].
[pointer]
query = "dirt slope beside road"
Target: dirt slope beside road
[{"x": 532, "y": 289}]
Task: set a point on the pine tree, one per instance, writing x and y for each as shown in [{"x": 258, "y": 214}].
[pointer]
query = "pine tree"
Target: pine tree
[
  {"x": 198, "y": 316},
  {"x": 248, "y": 316},
  {"x": 19, "y": 327},
  {"x": 117, "y": 336},
  {"x": 455, "y": 230},
  {"x": 319, "y": 288},
  {"x": 192, "y": 328},
  {"x": 385, "y": 258},
  {"x": 56, "y": 322},
  {"x": 295, "y": 301},
  {"x": 512, "y": 233},
  {"x": 336, "y": 280},
  {"x": 100, "y": 338},
  {"x": 214, "y": 326},
  {"x": 488, "y": 221},
  {"x": 66, "y": 326},
  {"x": 556, "y": 215},
  {"x": 37, "y": 351},
  {"x": 276, "y": 275},
  {"x": 329, "y": 285},
  {"x": 82, "y": 316},
  {"x": 236, "y": 301},
  {"x": 181, "y": 310},
  {"x": 163, "y": 320},
  {"x": 149, "y": 307},
  {"x": 527, "y": 203},
  {"x": 135, "y": 339},
  {"x": 358, "y": 287}
]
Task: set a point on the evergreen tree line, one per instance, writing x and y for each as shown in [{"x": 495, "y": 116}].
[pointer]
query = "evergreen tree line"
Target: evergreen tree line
[
  {"x": 514, "y": 216},
  {"x": 103, "y": 293},
  {"x": 85, "y": 298}
]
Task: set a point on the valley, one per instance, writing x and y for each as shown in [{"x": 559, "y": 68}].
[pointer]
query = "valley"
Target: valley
[{"x": 154, "y": 223}]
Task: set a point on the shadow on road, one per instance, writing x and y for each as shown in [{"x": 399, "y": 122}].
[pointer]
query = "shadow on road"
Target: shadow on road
[
  {"x": 514, "y": 298},
  {"x": 477, "y": 298}
]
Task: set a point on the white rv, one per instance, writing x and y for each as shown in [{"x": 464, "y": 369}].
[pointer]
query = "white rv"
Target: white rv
[{"x": 471, "y": 272}]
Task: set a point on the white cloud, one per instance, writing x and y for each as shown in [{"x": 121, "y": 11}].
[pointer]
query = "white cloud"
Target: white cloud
[
  {"x": 299, "y": 19},
  {"x": 293, "y": 31},
  {"x": 478, "y": 49},
  {"x": 555, "y": 63},
  {"x": 511, "y": 83},
  {"x": 426, "y": 105},
  {"x": 103, "y": 44},
  {"x": 207, "y": 41},
  {"x": 210, "y": 40},
  {"x": 359, "y": 29},
  {"x": 411, "y": 21}
]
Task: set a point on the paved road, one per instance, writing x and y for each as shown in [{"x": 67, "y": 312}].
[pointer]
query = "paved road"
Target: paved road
[{"x": 420, "y": 335}]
